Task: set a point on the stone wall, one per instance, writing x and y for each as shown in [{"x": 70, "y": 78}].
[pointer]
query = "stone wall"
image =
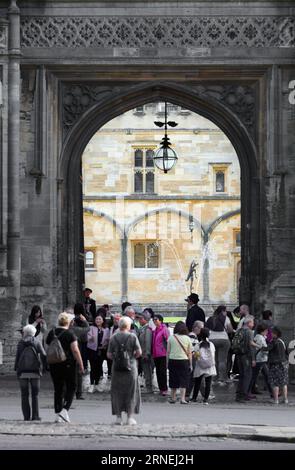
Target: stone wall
[{"x": 233, "y": 64}]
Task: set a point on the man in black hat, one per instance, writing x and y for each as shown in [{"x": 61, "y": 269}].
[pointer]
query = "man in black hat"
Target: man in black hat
[
  {"x": 89, "y": 305},
  {"x": 194, "y": 312}
]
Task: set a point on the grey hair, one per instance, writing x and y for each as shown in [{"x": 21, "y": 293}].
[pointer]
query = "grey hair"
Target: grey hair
[
  {"x": 29, "y": 330},
  {"x": 198, "y": 324},
  {"x": 124, "y": 323},
  {"x": 247, "y": 319},
  {"x": 128, "y": 310}
]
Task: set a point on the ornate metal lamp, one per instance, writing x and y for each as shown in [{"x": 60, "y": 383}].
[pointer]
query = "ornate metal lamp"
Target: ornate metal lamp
[{"x": 165, "y": 157}]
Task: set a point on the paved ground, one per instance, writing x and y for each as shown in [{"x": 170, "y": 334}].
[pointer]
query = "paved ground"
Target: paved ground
[
  {"x": 223, "y": 424},
  {"x": 114, "y": 444},
  {"x": 95, "y": 411}
]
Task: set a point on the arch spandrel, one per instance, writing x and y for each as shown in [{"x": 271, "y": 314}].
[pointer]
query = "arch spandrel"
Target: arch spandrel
[{"x": 233, "y": 118}]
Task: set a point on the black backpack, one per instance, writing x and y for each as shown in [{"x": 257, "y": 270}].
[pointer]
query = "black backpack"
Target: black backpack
[
  {"x": 29, "y": 360},
  {"x": 239, "y": 344},
  {"x": 121, "y": 359}
]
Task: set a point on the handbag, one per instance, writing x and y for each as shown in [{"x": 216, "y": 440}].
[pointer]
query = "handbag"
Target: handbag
[{"x": 180, "y": 344}]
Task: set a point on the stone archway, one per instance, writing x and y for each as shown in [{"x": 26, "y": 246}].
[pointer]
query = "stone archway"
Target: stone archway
[{"x": 219, "y": 107}]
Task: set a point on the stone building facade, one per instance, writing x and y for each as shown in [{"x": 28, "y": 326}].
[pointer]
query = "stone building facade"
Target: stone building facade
[
  {"x": 124, "y": 193},
  {"x": 69, "y": 67}
]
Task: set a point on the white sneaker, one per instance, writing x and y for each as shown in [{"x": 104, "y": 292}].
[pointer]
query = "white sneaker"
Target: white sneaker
[
  {"x": 99, "y": 388},
  {"x": 286, "y": 401},
  {"x": 131, "y": 422},
  {"x": 90, "y": 389},
  {"x": 64, "y": 415},
  {"x": 58, "y": 419}
]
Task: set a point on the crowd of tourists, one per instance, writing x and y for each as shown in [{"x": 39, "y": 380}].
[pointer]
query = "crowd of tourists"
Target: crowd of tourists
[{"x": 130, "y": 345}]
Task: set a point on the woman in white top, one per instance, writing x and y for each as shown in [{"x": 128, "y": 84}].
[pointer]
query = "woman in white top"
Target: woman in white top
[
  {"x": 205, "y": 365},
  {"x": 219, "y": 325}
]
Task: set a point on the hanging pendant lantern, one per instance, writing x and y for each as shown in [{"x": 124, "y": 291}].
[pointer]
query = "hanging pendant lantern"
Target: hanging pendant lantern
[{"x": 165, "y": 157}]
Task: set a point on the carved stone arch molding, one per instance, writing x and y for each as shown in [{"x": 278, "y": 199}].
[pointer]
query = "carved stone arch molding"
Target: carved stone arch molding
[
  {"x": 227, "y": 105},
  {"x": 78, "y": 98}
]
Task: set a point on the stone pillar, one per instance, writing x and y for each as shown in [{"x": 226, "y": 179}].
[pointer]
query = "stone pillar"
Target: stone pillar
[
  {"x": 206, "y": 298},
  {"x": 13, "y": 235},
  {"x": 124, "y": 268}
]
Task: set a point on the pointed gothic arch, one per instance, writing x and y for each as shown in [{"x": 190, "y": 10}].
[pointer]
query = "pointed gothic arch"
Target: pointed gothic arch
[{"x": 119, "y": 101}]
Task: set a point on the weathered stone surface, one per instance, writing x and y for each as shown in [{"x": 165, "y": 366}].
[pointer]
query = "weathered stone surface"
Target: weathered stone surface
[{"x": 149, "y": 31}]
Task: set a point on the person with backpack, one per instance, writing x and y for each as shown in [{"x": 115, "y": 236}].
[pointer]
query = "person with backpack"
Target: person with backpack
[
  {"x": 124, "y": 350},
  {"x": 194, "y": 339},
  {"x": 245, "y": 349},
  {"x": 62, "y": 355},
  {"x": 179, "y": 356},
  {"x": 205, "y": 365},
  {"x": 220, "y": 327},
  {"x": 28, "y": 368}
]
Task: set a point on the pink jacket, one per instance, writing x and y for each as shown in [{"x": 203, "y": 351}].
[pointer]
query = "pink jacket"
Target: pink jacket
[
  {"x": 160, "y": 338},
  {"x": 92, "y": 338}
]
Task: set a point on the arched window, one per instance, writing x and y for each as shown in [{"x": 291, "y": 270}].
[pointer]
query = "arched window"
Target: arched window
[
  {"x": 219, "y": 182},
  {"x": 89, "y": 259}
]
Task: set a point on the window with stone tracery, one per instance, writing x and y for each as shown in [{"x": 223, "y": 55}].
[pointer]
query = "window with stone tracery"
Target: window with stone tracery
[
  {"x": 146, "y": 255},
  {"x": 144, "y": 171}
]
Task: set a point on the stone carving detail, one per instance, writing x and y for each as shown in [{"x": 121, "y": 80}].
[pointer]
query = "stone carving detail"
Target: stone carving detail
[
  {"x": 239, "y": 98},
  {"x": 79, "y": 97},
  {"x": 3, "y": 39},
  {"x": 199, "y": 31}
]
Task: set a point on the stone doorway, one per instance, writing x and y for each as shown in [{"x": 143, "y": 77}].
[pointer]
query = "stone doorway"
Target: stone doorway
[{"x": 218, "y": 103}]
